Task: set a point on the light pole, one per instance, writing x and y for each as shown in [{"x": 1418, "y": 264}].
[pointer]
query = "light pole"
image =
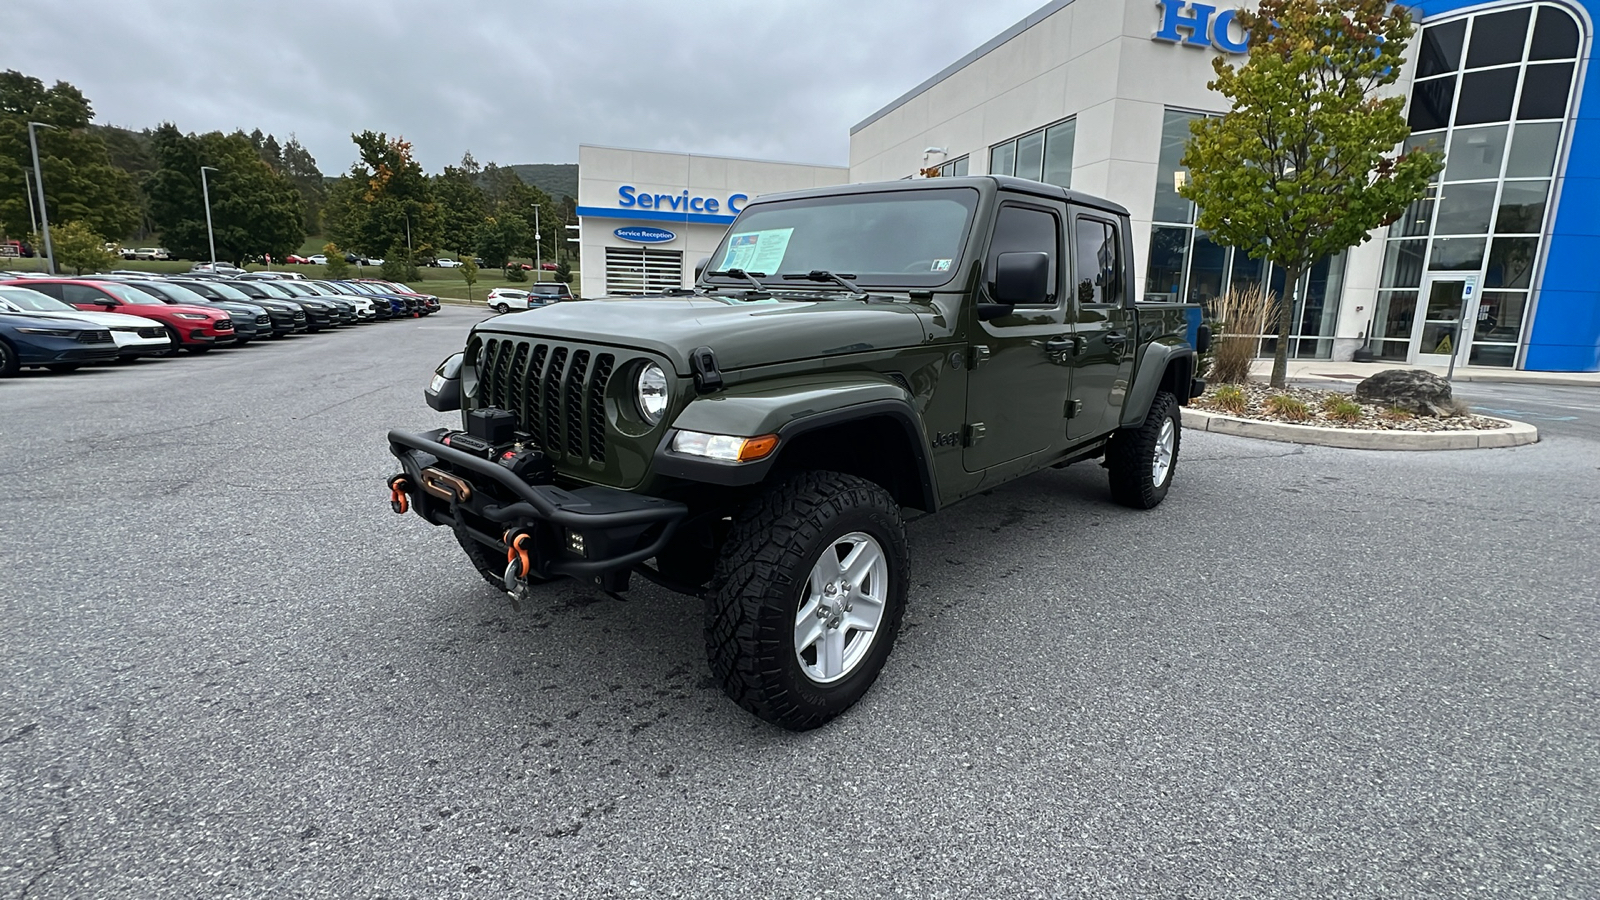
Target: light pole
[
  {"x": 538, "y": 248},
  {"x": 38, "y": 182},
  {"x": 33, "y": 215},
  {"x": 206, "y": 190}
]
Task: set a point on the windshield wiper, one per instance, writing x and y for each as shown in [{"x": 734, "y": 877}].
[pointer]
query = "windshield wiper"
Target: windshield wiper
[
  {"x": 752, "y": 277},
  {"x": 823, "y": 276}
]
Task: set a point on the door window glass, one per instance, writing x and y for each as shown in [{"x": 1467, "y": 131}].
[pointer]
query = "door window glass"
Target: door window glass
[
  {"x": 1098, "y": 263},
  {"x": 49, "y": 290},
  {"x": 1022, "y": 228},
  {"x": 77, "y": 293}
]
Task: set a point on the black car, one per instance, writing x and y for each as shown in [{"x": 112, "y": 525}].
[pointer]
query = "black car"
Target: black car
[
  {"x": 249, "y": 320},
  {"x": 364, "y": 311},
  {"x": 344, "y": 310},
  {"x": 319, "y": 315},
  {"x": 287, "y": 318}
]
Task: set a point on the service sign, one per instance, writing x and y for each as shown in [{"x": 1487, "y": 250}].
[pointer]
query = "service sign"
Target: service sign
[{"x": 644, "y": 234}]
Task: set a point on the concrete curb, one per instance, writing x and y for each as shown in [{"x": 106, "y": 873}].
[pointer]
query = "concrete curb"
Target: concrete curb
[{"x": 1515, "y": 434}]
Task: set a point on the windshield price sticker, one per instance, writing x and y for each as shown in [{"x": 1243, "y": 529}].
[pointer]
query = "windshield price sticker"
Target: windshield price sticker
[
  {"x": 941, "y": 265},
  {"x": 757, "y": 251}
]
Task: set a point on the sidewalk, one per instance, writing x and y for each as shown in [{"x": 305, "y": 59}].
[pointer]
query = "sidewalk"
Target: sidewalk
[{"x": 1330, "y": 370}]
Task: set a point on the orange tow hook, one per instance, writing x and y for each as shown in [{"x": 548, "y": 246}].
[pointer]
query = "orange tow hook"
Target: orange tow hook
[
  {"x": 517, "y": 553},
  {"x": 398, "y": 501}
]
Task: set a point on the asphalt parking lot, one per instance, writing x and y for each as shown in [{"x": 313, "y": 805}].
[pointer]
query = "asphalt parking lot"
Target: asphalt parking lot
[{"x": 227, "y": 670}]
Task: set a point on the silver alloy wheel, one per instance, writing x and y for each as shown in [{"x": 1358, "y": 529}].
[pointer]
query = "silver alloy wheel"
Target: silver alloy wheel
[
  {"x": 1162, "y": 463},
  {"x": 842, "y": 608}
]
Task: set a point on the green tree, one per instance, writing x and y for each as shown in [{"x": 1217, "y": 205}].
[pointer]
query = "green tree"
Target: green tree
[
  {"x": 462, "y": 203},
  {"x": 469, "y": 273},
  {"x": 385, "y": 201},
  {"x": 301, "y": 169},
  {"x": 79, "y": 247},
  {"x": 254, "y": 210},
  {"x": 80, "y": 183},
  {"x": 1303, "y": 165},
  {"x": 336, "y": 267},
  {"x": 564, "y": 271},
  {"x": 501, "y": 237}
]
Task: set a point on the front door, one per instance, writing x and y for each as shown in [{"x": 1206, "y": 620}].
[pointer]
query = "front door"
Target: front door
[
  {"x": 1103, "y": 328},
  {"x": 1450, "y": 304},
  {"x": 1017, "y": 389}
]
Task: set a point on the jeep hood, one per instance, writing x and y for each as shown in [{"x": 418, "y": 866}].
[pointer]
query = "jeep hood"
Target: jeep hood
[{"x": 742, "y": 334}]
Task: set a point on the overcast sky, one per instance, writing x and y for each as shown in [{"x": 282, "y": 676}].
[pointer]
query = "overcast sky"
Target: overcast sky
[{"x": 514, "y": 82}]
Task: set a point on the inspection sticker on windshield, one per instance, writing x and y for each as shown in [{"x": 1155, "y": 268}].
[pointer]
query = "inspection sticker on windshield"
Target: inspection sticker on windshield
[
  {"x": 941, "y": 265},
  {"x": 757, "y": 251}
]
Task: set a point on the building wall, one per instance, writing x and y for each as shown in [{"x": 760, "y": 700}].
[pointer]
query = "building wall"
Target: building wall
[{"x": 715, "y": 186}]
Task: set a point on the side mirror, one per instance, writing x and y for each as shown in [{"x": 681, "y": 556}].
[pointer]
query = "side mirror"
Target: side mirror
[
  {"x": 1202, "y": 339},
  {"x": 700, "y": 266},
  {"x": 444, "y": 391},
  {"x": 1022, "y": 278}
]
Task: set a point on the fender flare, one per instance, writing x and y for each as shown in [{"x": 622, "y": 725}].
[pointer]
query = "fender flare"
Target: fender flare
[
  {"x": 1154, "y": 363},
  {"x": 790, "y": 408}
]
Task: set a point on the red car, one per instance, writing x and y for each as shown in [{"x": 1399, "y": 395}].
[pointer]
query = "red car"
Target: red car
[
  {"x": 297, "y": 259},
  {"x": 195, "y": 328},
  {"x": 548, "y": 267}
]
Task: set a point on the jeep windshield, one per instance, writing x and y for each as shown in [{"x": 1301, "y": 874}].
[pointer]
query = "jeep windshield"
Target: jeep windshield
[{"x": 895, "y": 238}]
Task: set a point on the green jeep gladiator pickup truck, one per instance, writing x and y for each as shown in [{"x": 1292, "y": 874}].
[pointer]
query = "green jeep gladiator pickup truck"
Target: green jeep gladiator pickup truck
[{"x": 848, "y": 353}]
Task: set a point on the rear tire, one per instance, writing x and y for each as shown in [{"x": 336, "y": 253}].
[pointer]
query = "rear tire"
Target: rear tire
[
  {"x": 501, "y": 308},
  {"x": 807, "y": 598},
  {"x": 1143, "y": 460}
]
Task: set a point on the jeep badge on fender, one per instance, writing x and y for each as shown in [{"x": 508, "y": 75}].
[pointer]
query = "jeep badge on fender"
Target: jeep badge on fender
[{"x": 847, "y": 352}]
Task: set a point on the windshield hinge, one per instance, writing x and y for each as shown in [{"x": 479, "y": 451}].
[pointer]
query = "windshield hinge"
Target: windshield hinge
[{"x": 703, "y": 363}]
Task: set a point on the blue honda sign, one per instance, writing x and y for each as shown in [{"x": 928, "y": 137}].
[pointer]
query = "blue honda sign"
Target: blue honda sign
[
  {"x": 644, "y": 234},
  {"x": 1206, "y": 27}
]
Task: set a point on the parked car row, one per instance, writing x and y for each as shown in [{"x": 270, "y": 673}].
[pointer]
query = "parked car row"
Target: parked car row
[
  {"x": 504, "y": 300},
  {"x": 64, "y": 323}
]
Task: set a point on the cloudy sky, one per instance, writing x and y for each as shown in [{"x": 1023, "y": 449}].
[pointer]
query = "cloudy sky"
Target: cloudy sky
[{"x": 514, "y": 82}]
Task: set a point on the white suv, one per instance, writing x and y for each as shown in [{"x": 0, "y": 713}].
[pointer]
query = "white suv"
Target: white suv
[{"x": 504, "y": 300}]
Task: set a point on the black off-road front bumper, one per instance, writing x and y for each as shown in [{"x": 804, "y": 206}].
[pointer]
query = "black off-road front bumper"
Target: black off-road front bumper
[{"x": 588, "y": 532}]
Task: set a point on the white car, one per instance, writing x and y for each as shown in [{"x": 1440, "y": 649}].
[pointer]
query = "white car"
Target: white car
[
  {"x": 135, "y": 336},
  {"x": 448, "y": 263},
  {"x": 504, "y": 300},
  {"x": 317, "y": 259}
]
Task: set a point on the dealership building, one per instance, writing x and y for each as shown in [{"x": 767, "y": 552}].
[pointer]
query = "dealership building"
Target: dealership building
[{"x": 1491, "y": 267}]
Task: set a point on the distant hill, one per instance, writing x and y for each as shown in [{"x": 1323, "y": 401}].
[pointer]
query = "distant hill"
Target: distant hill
[{"x": 555, "y": 179}]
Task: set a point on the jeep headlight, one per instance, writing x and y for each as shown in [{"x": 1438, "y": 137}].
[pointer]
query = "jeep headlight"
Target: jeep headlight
[{"x": 650, "y": 390}]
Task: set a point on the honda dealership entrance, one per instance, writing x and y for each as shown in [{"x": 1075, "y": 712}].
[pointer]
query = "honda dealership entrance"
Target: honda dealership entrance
[{"x": 1491, "y": 267}]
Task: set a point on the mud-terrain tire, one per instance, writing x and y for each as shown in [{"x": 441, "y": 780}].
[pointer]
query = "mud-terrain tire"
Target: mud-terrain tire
[
  {"x": 491, "y": 566},
  {"x": 1143, "y": 460},
  {"x": 794, "y": 668}
]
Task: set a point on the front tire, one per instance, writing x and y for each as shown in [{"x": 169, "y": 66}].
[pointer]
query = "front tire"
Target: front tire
[
  {"x": 10, "y": 363},
  {"x": 807, "y": 598},
  {"x": 1143, "y": 460},
  {"x": 501, "y": 308}
]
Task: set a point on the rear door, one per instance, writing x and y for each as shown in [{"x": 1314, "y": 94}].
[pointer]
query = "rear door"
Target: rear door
[
  {"x": 1102, "y": 322},
  {"x": 1016, "y": 388}
]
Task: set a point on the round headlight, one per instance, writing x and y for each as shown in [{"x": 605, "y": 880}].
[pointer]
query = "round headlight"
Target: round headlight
[{"x": 651, "y": 393}]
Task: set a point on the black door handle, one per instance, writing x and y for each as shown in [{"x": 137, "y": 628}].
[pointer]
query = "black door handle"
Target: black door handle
[
  {"x": 1061, "y": 344},
  {"x": 1115, "y": 337}
]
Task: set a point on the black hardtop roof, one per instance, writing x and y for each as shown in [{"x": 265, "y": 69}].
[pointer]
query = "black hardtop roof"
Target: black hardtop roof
[{"x": 981, "y": 182}]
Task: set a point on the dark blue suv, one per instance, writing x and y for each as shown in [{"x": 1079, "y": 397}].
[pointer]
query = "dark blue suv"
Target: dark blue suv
[{"x": 59, "y": 345}]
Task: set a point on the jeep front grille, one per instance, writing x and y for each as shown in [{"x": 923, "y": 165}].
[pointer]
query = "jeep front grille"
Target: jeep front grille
[{"x": 557, "y": 393}]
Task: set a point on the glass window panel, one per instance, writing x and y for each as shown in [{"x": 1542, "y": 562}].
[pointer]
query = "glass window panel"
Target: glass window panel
[
  {"x": 1456, "y": 254},
  {"x": 1497, "y": 38},
  {"x": 1417, "y": 217},
  {"x": 1441, "y": 48},
  {"x": 1163, "y": 278},
  {"x": 1170, "y": 207},
  {"x": 960, "y": 166},
  {"x": 1475, "y": 153},
  {"x": 1208, "y": 266},
  {"x": 1247, "y": 273},
  {"x": 1555, "y": 36},
  {"x": 1465, "y": 209},
  {"x": 1521, "y": 207},
  {"x": 1500, "y": 315},
  {"x": 1486, "y": 96},
  {"x": 1392, "y": 318},
  {"x": 1430, "y": 103},
  {"x": 1058, "y": 142},
  {"x": 1317, "y": 315},
  {"x": 1402, "y": 264},
  {"x": 1026, "y": 230},
  {"x": 1030, "y": 155},
  {"x": 1003, "y": 158},
  {"x": 1533, "y": 150},
  {"x": 1544, "y": 91},
  {"x": 1097, "y": 264},
  {"x": 1511, "y": 262}
]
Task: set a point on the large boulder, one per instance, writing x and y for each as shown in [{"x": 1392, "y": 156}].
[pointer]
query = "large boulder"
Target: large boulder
[{"x": 1413, "y": 390}]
